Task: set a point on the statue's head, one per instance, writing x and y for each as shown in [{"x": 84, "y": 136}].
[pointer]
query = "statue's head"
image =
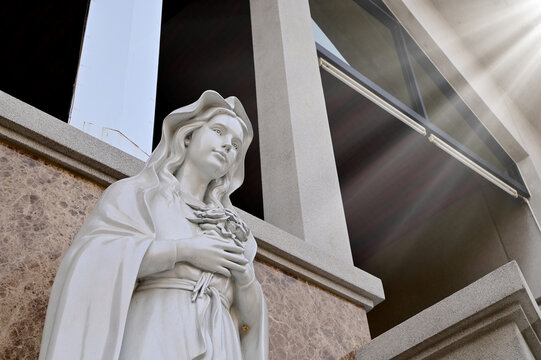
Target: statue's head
[{"x": 214, "y": 133}]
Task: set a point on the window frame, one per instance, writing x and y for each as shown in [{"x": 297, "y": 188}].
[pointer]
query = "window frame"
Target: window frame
[{"x": 405, "y": 46}]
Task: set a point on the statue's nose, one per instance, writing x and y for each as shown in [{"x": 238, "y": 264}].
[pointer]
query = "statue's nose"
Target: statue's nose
[{"x": 227, "y": 146}]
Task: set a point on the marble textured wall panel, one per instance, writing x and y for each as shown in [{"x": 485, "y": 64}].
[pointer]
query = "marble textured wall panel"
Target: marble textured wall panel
[
  {"x": 306, "y": 322},
  {"x": 43, "y": 206}
]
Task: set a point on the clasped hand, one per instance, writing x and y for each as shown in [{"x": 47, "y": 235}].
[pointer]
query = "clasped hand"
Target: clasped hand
[{"x": 215, "y": 254}]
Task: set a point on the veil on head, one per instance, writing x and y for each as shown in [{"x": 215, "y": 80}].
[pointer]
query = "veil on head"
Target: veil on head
[{"x": 176, "y": 119}]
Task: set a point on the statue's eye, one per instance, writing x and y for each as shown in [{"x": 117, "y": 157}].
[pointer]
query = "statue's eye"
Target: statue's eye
[
  {"x": 236, "y": 146},
  {"x": 218, "y": 131}
]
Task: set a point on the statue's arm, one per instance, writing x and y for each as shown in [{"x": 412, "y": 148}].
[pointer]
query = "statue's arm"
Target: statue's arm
[
  {"x": 160, "y": 256},
  {"x": 250, "y": 309},
  {"x": 252, "y": 315}
]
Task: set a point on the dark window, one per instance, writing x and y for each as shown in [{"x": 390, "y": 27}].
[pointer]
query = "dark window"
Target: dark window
[
  {"x": 41, "y": 43},
  {"x": 207, "y": 44}
]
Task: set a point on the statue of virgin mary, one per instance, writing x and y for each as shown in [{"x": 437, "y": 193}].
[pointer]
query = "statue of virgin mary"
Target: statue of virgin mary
[{"x": 163, "y": 266}]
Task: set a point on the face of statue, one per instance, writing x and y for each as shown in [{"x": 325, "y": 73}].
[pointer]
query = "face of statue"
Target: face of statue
[{"x": 213, "y": 148}]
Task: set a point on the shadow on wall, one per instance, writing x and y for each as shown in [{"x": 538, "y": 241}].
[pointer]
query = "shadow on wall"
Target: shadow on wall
[{"x": 454, "y": 248}]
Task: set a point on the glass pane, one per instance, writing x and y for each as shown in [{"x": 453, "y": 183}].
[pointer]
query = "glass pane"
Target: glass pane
[
  {"x": 447, "y": 111},
  {"x": 362, "y": 41}
]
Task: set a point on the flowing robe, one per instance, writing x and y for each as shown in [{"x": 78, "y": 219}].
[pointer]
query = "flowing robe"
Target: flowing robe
[{"x": 93, "y": 292}]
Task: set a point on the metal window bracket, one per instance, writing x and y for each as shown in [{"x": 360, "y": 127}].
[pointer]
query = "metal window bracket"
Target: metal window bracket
[{"x": 334, "y": 71}]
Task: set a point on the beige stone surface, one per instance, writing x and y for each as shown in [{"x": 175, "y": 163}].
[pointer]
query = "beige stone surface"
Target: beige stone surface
[
  {"x": 42, "y": 210},
  {"x": 503, "y": 343},
  {"x": 306, "y": 322},
  {"x": 43, "y": 207}
]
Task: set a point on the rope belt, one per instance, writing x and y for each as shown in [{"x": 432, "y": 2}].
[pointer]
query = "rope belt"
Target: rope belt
[
  {"x": 211, "y": 317},
  {"x": 182, "y": 284}
]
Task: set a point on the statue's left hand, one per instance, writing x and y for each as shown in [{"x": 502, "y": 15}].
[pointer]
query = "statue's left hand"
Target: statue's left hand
[{"x": 243, "y": 277}]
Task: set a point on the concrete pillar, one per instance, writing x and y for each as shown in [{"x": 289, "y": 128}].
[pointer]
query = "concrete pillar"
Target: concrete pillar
[
  {"x": 301, "y": 193},
  {"x": 115, "y": 89}
]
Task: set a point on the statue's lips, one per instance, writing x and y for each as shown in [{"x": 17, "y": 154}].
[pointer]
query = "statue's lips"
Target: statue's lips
[{"x": 221, "y": 155}]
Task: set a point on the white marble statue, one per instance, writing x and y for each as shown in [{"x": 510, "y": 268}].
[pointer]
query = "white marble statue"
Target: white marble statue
[{"x": 163, "y": 266}]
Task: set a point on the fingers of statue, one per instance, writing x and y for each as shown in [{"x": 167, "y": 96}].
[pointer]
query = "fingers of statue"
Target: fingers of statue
[
  {"x": 212, "y": 233},
  {"x": 228, "y": 244},
  {"x": 243, "y": 276},
  {"x": 232, "y": 248},
  {"x": 233, "y": 266},
  {"x": 210, "y": 255},
  {"x": 222, "y": 271}
]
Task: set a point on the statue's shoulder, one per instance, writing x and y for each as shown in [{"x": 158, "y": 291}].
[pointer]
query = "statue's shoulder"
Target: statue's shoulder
[
  {"x": 128, "y": 191},
  {"x": 145, "y": 180},
  {"x": 123, "y": 201}
]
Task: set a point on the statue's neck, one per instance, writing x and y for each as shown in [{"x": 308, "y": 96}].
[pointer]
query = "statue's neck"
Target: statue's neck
[{"x": 192, "y": 182}]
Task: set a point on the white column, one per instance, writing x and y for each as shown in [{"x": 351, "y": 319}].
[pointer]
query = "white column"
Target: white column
[
  {"x": 115, "y": 89},
  {"x": 301, "y": 193}
]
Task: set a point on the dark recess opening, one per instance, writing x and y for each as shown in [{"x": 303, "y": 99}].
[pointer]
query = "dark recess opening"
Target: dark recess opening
[
  {"x": 207, "y": 44},
  {"x": 40, "y": 49}
]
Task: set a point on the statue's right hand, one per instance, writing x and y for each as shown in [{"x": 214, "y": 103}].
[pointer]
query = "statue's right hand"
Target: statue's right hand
[{"x": 211, "y": 254}]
